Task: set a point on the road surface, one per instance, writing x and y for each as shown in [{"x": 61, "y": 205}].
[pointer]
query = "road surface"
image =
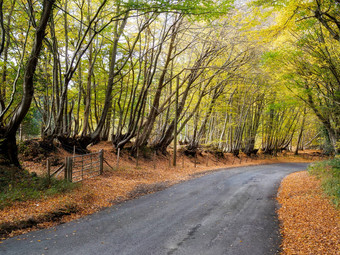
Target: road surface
[{"x": 226, "y": 212}]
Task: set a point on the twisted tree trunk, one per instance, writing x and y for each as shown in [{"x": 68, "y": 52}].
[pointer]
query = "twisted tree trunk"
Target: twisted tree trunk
[{"x": 8, "y": 147}]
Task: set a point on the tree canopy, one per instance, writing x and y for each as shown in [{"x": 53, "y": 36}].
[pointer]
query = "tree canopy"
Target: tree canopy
[{"x": 240, "y": 77}]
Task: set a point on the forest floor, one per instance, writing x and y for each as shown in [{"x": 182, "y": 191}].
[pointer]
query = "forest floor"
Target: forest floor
[
  {"x": 310, "y": 224},
  {"x": 116, "y": 185}
]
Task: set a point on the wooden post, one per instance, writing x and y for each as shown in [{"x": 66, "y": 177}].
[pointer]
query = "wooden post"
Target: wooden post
[
  {"x": 48, "y": 164},
  {"x": 69, "y": 169},
  {"x": 195, "y": 159},
  {"x": 154, "y": 160},
  {"x": 66, "y": 169},
  {"x": 101, "y": 158},
  {"x": 118, "y": 152}
]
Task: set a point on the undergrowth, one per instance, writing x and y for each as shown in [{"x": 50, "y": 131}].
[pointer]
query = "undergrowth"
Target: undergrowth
[
  {"x": 20, "y": 185},
  {"x": 329, "y": 174}
]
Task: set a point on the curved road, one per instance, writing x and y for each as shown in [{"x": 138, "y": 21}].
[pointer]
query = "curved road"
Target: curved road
[{"x": 227, "y": 212}]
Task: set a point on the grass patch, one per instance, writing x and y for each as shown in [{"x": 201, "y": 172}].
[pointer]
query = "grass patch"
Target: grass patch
[
  {"x": 20, "y": 185},
  {"x": 329, "y": 174}
]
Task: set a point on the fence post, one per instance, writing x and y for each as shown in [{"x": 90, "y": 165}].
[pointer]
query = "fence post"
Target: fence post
[
  {"x": 48, "y": 164},
  {"x": 66, "y": 169},
  {"x": 69, "y": 169},
  {"x": 118, "y": 152},
  {"x": 195, "y": 159},
  {"x": 101, "y": 158},
  {"x": 154, "y": 160}
]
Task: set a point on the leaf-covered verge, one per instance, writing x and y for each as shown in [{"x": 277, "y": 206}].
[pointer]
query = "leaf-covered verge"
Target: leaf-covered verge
[
  {"x": 127, "y": 181},
  {"x": 310, "y": 223},
  {"x": 329, "y": 174}
]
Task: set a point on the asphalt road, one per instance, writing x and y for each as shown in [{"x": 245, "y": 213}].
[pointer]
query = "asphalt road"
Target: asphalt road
[{"x": 227, "y": 212}]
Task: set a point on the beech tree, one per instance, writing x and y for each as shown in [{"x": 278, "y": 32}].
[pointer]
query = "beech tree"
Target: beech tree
[
  {"x": 308, "y": 33},
  {"x": 144, "y": 73},
  {"x": 10, "y": 121}
]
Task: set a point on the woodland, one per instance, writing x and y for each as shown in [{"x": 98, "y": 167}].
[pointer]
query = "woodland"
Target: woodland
[{"x": 148, "y": 75}]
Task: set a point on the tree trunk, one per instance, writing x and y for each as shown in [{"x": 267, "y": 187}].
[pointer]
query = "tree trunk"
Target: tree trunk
[
  {"x": 332, "y": 132},
  {"x": 8, "y": 147},
  {"x": 301, "y": 132},
  {"x": 6, "y": 39},
  {"x": 89, "y": 82},
  {"x": 112, "y": 74},
  {"x": 154, "y": 112}
]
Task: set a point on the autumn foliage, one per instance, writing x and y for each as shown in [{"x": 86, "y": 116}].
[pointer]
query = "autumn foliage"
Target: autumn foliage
[{"x": 310, "y": 222}]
